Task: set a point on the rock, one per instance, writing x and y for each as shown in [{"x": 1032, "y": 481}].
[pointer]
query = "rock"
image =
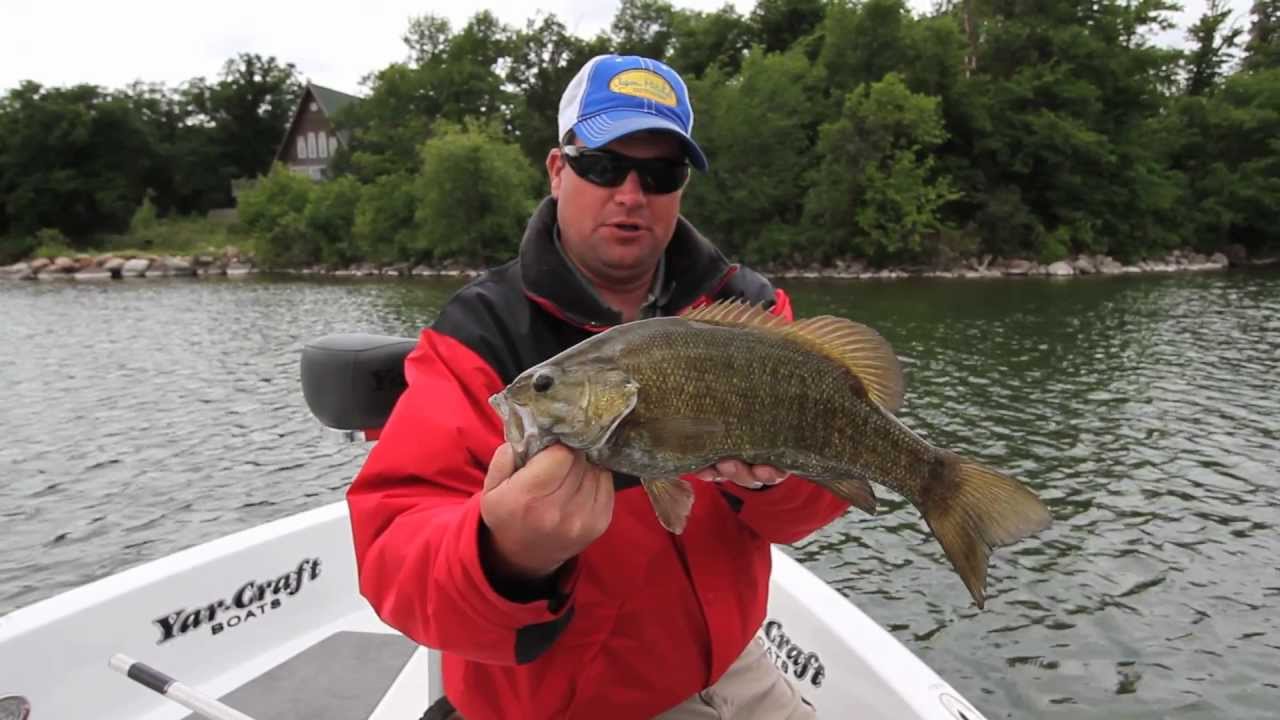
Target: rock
[
  {"x": 1130, "y": 269},
  {"x": 1218, "y": 260},
  {"x": 238, "y": 269},
  {"x": 113, "y": 264},
  {"x": 180, "y": 266},
  {"x": 64, "y": 264},
  {"x": 92, "y": 274},
  {"x": 158, "y": 268},
  {"x": 1018, "y": 267},
  {"x": 422, "y": 271},
  {"x": 40, "y": 264},
  {"x": 102, "y": 260},
  {"x": 1108, "y": 266},
  {"x": 18, "y": 268},
  {"x": 1084, "y": 266},
  {"x": 1237, "y": 255},
  {"x": 52, "y": 274},
  {"x": 202, "y": 261},
  {"x": 1060, "y": 268},
  {"x": 136, "y": 267}
]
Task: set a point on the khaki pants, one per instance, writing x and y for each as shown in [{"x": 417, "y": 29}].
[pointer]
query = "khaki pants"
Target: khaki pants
[{"x": 752, "y": 689}]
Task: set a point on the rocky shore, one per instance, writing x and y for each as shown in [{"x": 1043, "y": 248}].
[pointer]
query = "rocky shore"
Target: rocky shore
[
  {"x": 232, "y": 262},
  {"x": 130, "y": 265}
]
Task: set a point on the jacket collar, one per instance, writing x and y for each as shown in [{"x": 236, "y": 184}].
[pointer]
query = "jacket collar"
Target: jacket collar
[{"x": 694, "y": 268}]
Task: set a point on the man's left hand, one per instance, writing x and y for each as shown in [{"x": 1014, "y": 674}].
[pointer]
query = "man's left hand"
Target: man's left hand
[{"x": 752, "y": 477}]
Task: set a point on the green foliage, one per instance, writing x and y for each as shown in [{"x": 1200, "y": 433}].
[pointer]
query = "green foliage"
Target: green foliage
[
  {"x": 174, "y": 235},
  {"x": 1262, "y": 51},
  {"x": 273, "y": 210},
  {"x": 51, "y": 243},
  {"x": 876, "y": 193},
  {"x": 329, "y": 217},
  {"x": 833, "y": 127},
  {"x": 760, "y": 150},
  {"x": 144, "y": 218},
  {"x": 1213, "y": 44},
  {"x": 702, "y": 40},
  {"x": 475, "y": 191},
  {"x": 643, "y": 27},
  {"x": 383, "y": 229}
]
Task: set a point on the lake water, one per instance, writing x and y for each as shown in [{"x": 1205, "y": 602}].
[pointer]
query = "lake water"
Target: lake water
[{"x": 143, "y": 417}]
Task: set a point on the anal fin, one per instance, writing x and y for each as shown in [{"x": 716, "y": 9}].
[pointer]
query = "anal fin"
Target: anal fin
[
  {"x": 672, "y": 500},
  {"x": 857, "y": 492}
]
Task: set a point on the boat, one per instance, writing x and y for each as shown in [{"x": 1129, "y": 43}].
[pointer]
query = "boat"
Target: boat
[{"x": 268, "y": 623}]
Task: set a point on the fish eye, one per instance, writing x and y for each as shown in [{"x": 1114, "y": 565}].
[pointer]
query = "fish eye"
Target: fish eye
[{"x": 542, "y": 382}]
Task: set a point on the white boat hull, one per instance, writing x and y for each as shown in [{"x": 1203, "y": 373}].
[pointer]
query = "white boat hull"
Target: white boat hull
[{"x": 230, "y": 614}]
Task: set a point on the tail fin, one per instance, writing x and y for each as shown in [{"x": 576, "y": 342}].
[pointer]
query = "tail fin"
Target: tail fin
[{"x": 972, "y": 509}]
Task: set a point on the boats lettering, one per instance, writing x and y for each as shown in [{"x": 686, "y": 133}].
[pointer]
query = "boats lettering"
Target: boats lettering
[
  {"x": 790, "y": 657},
  {"x": 250, "y": 600}
]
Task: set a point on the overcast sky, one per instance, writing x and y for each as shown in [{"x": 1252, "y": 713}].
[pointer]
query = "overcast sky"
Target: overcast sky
[{"x": 63, "y": 42}]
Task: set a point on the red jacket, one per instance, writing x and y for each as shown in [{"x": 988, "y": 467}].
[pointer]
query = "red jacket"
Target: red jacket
[{"x": 643, "y": 618}]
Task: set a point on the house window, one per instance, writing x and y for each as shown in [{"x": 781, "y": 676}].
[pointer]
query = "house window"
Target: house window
[
  {"x": 333, "y": 145},
  {"x": 311, "y": 145},
  {"x": 302, "y": 148},
  {"x": 324, "y": 145}
]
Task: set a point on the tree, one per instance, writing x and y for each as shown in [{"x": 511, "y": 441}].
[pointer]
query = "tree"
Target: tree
[
  {"x": 876, "y": 193},
  {"x": 780, "y": 23},
  {"x": 273, "y": 209},
  {"x": 760, "y": 146},
  {"x": 1262, "y": 51},
  {"x": 73, "y": 159},
  {"x": 544, "y": 58},
  {"x": 643, "y": 27},
  {"x": 452, "y": 78},
  {"x": 702, "y": 40},
  {"x": 427, "y": 38},
  {"x": 249, "y": 108},
  {"x": 1213, "y": 45},
  {"x": 384, "y": 229},
  {"x": 475, "y": 190}
]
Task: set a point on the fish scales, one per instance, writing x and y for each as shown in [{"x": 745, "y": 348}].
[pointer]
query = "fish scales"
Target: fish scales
[{"x": 772, "y": 400}]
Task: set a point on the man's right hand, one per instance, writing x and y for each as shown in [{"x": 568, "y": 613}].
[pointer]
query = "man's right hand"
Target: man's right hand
[{"x": 543, "y": 515}]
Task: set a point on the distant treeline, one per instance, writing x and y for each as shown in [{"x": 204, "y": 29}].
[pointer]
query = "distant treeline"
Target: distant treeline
[{"x": 835, "y": 129}]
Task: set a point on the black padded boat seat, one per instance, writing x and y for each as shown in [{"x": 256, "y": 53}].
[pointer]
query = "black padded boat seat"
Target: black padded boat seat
[
  {"x": 342, "y": 677},
  {"x": 352, "y": 381}
]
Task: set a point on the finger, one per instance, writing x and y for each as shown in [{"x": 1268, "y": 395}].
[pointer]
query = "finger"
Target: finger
[
  {"x": 739, "y": 473},
  {"x": 709, "y": 475},
  {"x": 732, "y": 469},
  {"x": 767, "y": 474},
  {"x": 575, "y": 478},
  {"x": 546, "y": 472},
  {"x": 501, "y": 466}
]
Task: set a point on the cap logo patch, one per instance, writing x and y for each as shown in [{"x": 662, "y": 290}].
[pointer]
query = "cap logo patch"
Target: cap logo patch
[{"x": 644, "y": 84}]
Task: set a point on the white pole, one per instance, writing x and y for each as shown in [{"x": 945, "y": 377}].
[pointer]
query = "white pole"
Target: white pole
[{"x": 149, "y": 677}]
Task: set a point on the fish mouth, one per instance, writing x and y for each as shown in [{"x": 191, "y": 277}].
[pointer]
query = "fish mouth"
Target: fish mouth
[{"x": 519, "y": 428}]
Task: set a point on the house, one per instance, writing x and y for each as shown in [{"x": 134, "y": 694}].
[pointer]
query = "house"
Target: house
[{"x": 312, "y": 140}]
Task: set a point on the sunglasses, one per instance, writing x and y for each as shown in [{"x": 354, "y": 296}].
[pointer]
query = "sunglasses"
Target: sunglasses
[{"x": 658, "y": 176}]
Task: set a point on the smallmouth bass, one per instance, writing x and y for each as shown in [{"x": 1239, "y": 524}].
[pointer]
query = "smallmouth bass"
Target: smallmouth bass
[{"x": 663, "y": 397}]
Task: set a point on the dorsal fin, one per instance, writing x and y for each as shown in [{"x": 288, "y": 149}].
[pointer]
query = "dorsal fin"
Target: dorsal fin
[{"x": 853, "y": 345}]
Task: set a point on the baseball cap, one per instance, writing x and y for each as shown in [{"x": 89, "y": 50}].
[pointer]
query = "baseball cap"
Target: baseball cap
[{"x": 616, "y": 95}]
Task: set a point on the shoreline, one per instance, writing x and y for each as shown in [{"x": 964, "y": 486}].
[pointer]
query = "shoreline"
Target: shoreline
[{"x": 231, "y": 262}]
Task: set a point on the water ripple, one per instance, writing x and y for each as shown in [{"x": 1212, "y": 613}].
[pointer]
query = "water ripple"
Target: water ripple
[{"x": 144, "y": 417}]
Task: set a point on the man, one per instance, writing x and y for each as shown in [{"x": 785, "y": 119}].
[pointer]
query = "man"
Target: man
[{"x": 551, "y": 593}]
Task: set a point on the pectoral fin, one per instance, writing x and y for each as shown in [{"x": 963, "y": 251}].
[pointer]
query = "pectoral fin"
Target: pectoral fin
[
  {"x": 678, "y": 435},
  {"x": 672, "y": 500}
]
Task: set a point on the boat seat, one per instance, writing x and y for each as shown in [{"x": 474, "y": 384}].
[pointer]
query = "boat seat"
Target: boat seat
[{"x": 351, "y": 381}]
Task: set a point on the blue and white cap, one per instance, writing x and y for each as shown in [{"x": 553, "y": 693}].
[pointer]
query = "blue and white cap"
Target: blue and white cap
[{"x": 615, "y": 95}]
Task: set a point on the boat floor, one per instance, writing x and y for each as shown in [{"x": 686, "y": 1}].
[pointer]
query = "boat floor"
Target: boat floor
[{"x": 345, "y": 675}]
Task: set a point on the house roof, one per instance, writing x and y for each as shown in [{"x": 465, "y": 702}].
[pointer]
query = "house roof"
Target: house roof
[{"x": 330, "y": 100}]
